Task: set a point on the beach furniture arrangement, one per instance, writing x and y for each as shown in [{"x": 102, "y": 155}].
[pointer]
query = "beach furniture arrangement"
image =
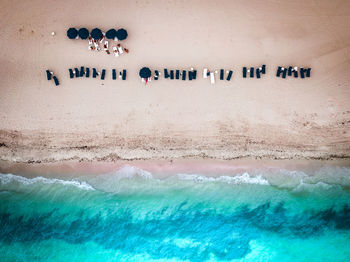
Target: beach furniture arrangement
[
  {"x": 145, "y": 73},
  {"x": 86, "y": 71},
  {"x": 50, "y": 76},
  {"x": 97, "y": 37},
  {"x": 251, "y": 71},
  {"x": 293, "y": 71}
]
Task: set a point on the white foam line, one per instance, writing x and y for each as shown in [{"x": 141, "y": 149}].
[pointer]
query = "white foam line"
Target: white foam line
[{"x": 8, "y": 178}]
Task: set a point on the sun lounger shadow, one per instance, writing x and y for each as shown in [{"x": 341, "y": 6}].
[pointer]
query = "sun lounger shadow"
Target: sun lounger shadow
[
  {"x": 166, "y": 74},
  {"x": 76, "y": 70},
  {"x": 229, "y": 75},
  {"x": 183, "y": 74},
  {"x": 222, "y": 74},
  {"x": 71, "y": 74},
  {"x": 103, "y": 74},
  {"x": 94, "y": 73},
  {"x": 48, "y": 75},
  {"x": 56, "y": 81},
  {"x": 82, "y": 71},
  {"x": 114, "y": 74}
]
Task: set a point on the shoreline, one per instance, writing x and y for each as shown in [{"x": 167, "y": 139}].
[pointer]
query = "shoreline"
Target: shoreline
[{"x": 167, "y": 167}]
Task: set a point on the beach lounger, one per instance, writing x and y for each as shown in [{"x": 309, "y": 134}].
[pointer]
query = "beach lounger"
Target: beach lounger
[
  {"x": 82, "y": 71},
  {"x": 194, "y": 74},
  {"x": 222, "y": 74},
  {"x": 103, "y": 74},
  {"x": 56, "y": 81},
  {"x": 71, "y": 74},
  {"x": 90, "y": 40},
  {"x": 94, "y": 73},
  {"x": 308, "y": 72},
  {"x": 229, "y": 75},
  {"x": 302, "y": 72},
  {"x": 76, "y": 71},
  {"x": 120, "y": 49},
  {"x": 290, "y": 71},
  {"x": 212, "y": 78},
  {"x": 156, "y": 75},
  {"x": 295, "y": 73},
  {"x": 115, "y": 51},
  {"x": 124, "y": 74},
  {"x": 251, "y": 72},
  {"x": 177, "y": 74},
  {"x": 263, "y": 69},
  {"x": 183, "y": 74},
  {"x": 171, "y": 74},
  {"x": 244, "y": 72},
  {"x": 114, "y": 74},
  {"x": 87, "y": 72},
  {"x": 284, "y": 73},
  {"x": 166, "y": 74},
  {"x": 205, "y": 73},
  {"x": 279, "y": 71},
  {"x": 257, "y": 72},
  {"x": 105, "y": 46},
  {"x": 48, "y": 75},
  {"x": 190, "y": 75}
]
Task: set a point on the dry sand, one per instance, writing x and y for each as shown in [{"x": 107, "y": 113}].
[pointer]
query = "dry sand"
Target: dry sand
[{"x": 91, "y": 119}]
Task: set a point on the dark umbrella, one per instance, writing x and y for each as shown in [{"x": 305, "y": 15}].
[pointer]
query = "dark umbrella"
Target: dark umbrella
[
  {"x": 110, "y": 34},
  {"x": 121, "y": 34},
  {"x": 145, "y": 72},
  {"x": 72, "y": 33},
  {"x": 83, "y": 33},
  {"x": 96, "y": 33}
]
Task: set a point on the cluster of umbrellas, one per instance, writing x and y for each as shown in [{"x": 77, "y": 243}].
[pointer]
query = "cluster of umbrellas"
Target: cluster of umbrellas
[{"x": 96, "y": 33}]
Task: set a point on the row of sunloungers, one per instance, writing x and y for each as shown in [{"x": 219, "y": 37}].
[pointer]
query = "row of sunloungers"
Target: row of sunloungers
[
  {"x": 258, "y": 71},
  {"x": 85, "y": 71},
  {"x": 207, "y": 73},
  {"x": 50, "y": 75},
  {"x": 304, "y": 72}
]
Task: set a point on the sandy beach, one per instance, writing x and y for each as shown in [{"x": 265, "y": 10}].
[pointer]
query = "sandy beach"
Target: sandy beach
[{"x": 89, "y": 119}]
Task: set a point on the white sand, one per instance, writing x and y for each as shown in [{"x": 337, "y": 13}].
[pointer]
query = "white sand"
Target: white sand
[{"x": 268, "y": 117}]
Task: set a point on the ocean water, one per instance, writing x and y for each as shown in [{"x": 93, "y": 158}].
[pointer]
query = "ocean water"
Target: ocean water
[{"x": 132, "y": 215}]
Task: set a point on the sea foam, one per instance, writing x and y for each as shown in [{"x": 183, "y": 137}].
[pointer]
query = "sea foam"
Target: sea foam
[{"x": 10, "y": 178}]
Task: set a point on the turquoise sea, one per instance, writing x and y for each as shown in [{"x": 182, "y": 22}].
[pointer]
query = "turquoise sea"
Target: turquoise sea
[{"x": 132, "y": 215}]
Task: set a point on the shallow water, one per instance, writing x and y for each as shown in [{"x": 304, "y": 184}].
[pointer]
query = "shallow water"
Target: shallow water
[{"x": 131, "y": 215}]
